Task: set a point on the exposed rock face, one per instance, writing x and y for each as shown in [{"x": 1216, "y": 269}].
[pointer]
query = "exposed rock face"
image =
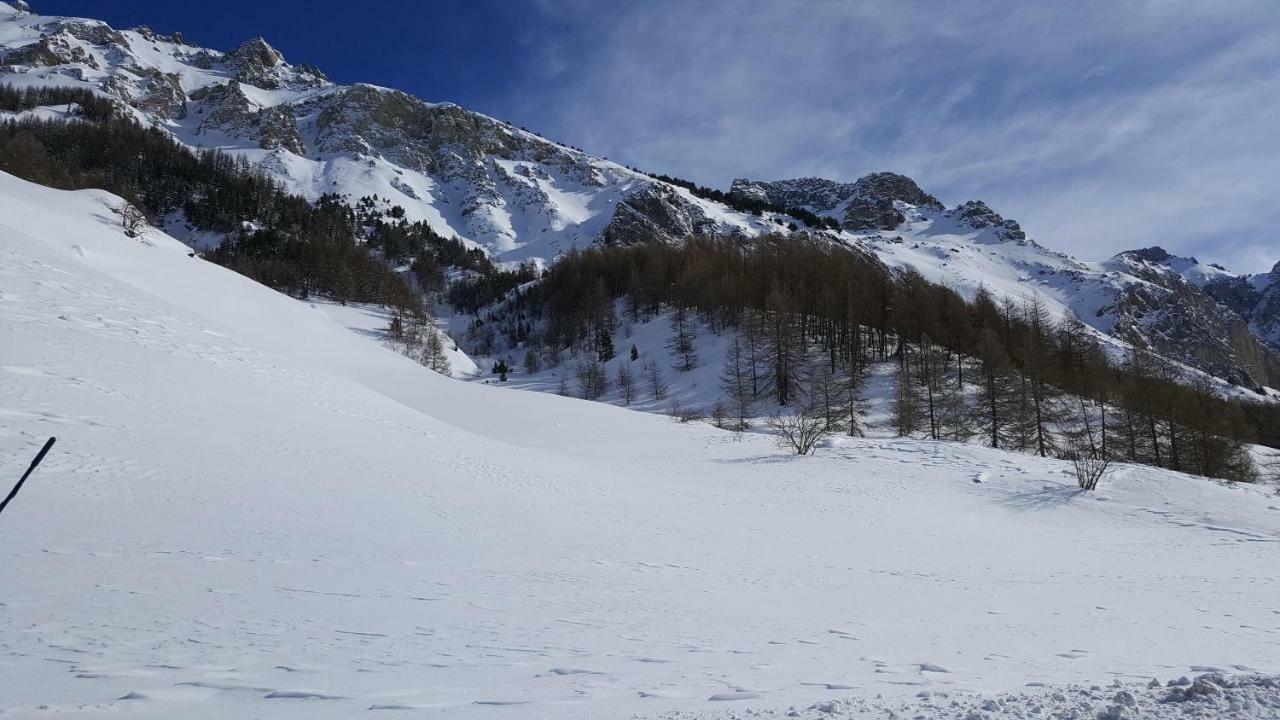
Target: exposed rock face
[
  {"x": 226, "y": 109},
  {"x": 656, "y": 213},
  {"x": 163, "y": 96},
  {"x": 95, "y": 33},
  {"x": 49, "y": 51},
  {"x": 278, "y": 129},
  {"x": 1256, "y": 299},
  {"x": 866, "y": 204},
  {"x": 977, "y": 215},
  {"x": 1173, "y": 317},
  {"x": 873, "y": 204}
]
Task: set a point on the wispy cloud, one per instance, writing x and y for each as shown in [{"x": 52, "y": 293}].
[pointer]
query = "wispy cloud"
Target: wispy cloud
[{"x": 1099, "y": 125}]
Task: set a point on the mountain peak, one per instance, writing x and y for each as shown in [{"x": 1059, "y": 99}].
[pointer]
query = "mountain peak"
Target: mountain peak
[
  {"x": 891, "y": 185},
  {"x": 258, "y": 50},
  {"x": 18, "y": 5},
  {"x": 1153, "y": 254}
]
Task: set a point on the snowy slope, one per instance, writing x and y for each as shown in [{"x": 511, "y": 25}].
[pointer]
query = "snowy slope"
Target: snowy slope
[{"x": 253, "y": 511}]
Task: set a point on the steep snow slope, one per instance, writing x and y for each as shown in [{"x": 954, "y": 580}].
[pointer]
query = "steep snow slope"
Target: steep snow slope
[{"x": 253, "y": 511}]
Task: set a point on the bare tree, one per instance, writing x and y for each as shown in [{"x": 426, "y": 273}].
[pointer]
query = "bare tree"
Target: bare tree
[
  {"x": 681, "y": 341},
  {"x": 626, "y": 383},
  {"x": 800, "y": 433},
  {"x": 532, "y": 361},
  {"x": 736, "y": 382},
  {"x": 657, "y": 383},
  {"x": 132, "y": 220},
  {"x": 592, "y": 378}
]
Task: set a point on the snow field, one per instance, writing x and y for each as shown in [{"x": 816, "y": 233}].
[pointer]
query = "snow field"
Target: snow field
[{"x": 253, "y": 511}]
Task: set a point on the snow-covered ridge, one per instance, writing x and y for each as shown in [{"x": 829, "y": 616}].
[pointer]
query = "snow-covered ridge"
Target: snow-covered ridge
[
  {"x": 254, "y": 512},
  {"x": 508, "y": 190}
]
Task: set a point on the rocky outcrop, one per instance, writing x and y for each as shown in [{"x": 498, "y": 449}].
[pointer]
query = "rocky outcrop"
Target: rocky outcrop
[
  {"x": 1172, "y": 316},
  {"x": 277, "y": 128},
  {"x": 227, "y": 110},
  {"x": 49, "y": 51},
  {"x": 1254, "y": 298},
  {"x": 162, "y": 95},
  {"x": 655, "y": 213},
  {"x": 975, "y": 214},
  {"x": 869, "y": 203}
]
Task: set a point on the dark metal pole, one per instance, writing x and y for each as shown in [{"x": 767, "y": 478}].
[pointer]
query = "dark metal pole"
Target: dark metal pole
[{"x": 27, "y": 474}]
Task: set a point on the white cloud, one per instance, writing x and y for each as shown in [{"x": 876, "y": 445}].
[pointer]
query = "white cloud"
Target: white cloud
[{"x": 1100, "y": 126}]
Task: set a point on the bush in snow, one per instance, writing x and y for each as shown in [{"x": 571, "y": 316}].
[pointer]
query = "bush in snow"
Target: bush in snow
[
  {"x": 800, "y": 433},
  {"x": 132, "y": 220},
  {"x": 1089, "y": 463}
]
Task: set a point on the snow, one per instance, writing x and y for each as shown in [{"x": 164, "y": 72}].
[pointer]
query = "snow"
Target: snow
[{"x": 253, "y": 510}]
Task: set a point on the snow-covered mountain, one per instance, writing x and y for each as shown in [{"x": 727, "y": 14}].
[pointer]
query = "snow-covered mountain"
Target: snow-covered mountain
[
  {"x": 1202, "y": 316},
  {"x": 254, "y": 512},
  {"x": 523, "y": 197},
  {"x": 508, "y": 190}
]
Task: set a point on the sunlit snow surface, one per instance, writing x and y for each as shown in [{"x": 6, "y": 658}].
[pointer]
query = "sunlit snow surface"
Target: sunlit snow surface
[{"x": 254, "y": 512}]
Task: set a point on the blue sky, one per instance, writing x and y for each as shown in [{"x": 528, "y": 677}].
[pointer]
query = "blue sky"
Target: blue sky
[{"x": 1100, "y": 126}]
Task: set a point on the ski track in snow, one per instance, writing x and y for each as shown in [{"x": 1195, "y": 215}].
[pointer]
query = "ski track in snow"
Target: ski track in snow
[{"x": 254, "y": 512}]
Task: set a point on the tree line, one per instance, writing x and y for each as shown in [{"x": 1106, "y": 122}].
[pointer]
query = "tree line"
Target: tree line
[
  {"x": 805, "y": 318},
  {"x": 274, "y": 237}
]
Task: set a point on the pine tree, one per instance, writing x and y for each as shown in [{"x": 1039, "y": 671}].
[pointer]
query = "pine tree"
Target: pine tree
[
  {"x": 434, "y": 354},
  {"x": 603, "y": 341}
]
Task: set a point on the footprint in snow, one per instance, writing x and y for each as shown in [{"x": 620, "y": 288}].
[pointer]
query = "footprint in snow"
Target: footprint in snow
[
  {"x": 731, "y": 696},
  {"x": 931, "y": 667},
  {"x": 568, "y": 671},
  {"x": 299, "y": 695}
]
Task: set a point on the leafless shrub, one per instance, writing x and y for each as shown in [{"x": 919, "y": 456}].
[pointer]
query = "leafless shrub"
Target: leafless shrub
[
  {"x": 687, "y": 415},
  {"x": 1089, "y": 463},
  {"x": 799, "y": 433}
]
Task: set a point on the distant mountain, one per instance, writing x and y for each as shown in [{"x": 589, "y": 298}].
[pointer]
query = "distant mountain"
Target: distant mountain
[{"x": 523, "y": 197}]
